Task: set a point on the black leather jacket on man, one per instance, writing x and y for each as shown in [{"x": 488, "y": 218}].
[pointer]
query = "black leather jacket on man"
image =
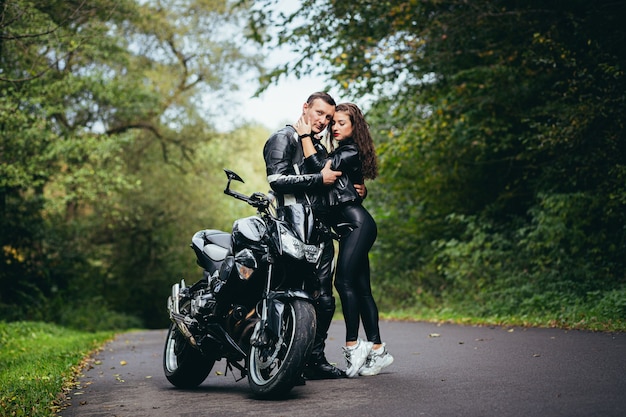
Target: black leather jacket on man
[
  {"x": 284, "y": 161},
  {"x": 345, "y": 159}
]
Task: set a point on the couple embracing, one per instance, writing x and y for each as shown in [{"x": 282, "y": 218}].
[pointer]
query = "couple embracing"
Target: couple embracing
[{"x": 300, "y": 169}]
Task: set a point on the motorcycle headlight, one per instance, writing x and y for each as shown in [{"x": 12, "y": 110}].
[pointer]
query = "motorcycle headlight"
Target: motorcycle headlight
[
  {"x": 245, "y": 264},
  {"x": 298, "y": 249}
]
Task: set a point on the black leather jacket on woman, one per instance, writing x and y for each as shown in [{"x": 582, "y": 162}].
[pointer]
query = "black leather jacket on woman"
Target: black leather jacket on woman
[
  {"x": 284, "y": 162},
  {"x": 345, "y": 159}
]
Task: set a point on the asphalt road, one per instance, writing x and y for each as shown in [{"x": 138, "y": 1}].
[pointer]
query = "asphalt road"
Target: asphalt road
[{"x": 439, "y": 370}]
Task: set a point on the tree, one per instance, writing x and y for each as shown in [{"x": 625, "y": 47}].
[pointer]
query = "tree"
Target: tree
[
  {"x": 498, "y": 125},
  {"x": 88, "y": 90}
]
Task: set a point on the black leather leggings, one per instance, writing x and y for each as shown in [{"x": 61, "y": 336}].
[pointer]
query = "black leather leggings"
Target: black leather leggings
[{"x": 352, "y": 277}]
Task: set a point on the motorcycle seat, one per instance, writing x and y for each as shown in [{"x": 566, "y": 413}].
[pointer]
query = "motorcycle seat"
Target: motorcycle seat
[
  {"x": 211, "y": 248},
  {"x": 215, "y": 252},
  {"x": 217, "y": 237}
]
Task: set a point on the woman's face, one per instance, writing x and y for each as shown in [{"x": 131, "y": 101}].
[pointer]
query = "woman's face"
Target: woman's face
[{"x": 342, "y": 126}]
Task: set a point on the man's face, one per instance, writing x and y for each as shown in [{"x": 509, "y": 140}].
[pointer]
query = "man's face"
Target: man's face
[{"x": 319, "y": 114}]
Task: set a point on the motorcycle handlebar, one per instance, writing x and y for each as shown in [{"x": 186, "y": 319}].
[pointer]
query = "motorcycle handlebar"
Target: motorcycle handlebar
[{"x": 256, "y": 200}]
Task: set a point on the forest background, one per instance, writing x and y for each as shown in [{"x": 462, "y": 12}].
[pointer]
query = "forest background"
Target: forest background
[{"x": 499, "y": 128}]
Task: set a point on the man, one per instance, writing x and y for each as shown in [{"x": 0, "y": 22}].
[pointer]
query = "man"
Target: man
[{"x": 284, "y": 161}]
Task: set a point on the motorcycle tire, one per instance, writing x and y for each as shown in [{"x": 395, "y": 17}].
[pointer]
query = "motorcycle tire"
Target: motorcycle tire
[
  {"x": 274, "y": 370},
  {"x": 184, "y": 366}
]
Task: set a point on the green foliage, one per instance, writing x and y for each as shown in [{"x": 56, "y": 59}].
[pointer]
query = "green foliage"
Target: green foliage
[
  {"x": 510, "y": 275},
  {"x": 500, "y": 132},
  {"x": 38, "y": 363},
  {"x": 103, "y": 105},
  {"x": 499, "y": 128},
  {"x": 97, "y": 315},
  {"x": 149, "y": 243}
]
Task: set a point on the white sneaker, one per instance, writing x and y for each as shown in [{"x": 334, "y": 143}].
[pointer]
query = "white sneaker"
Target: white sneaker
[
  {"x": 376, "y": 361},
  {"x": 356, "y": 356}
]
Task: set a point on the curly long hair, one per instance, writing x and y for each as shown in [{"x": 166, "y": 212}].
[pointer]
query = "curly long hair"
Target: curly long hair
[{"x": 362, "y": 138}]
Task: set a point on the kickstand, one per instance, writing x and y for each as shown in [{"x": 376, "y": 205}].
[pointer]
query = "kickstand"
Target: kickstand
[{"x": 229, "y": 365}]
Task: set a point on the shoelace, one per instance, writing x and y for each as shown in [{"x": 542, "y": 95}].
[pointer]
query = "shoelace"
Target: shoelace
[
  {"x": 372, "y": 355},
  {"x": 348, "y": 356}
]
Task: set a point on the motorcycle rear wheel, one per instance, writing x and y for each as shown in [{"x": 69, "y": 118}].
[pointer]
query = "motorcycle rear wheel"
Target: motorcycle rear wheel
[
  {"x": 184, "y": 366},
  {"x": 273, "y": 371}
]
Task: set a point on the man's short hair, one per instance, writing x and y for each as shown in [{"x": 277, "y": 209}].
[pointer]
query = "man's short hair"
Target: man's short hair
[{"x": 322, "y": 96}]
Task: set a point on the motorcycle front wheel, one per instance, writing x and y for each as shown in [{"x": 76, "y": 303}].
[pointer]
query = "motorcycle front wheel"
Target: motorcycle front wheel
[
  {"x": 274, "y": 370},
  {"x": 184, "y": 366}
]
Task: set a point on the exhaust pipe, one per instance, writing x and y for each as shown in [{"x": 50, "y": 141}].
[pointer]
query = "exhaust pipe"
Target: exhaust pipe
[
  {"x": 181, "y": 320},
  {"x": 175, "y": 298}
]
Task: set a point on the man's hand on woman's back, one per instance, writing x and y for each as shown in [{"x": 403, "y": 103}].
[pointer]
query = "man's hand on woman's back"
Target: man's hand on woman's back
[{"x": 329, "y": 175}]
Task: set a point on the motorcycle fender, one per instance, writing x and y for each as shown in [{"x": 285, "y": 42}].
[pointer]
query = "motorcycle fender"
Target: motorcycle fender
[
  {"x": 292, "y": 294},
  {"x": 275, "y": 312},
  {"x": 276, "y": 308}
]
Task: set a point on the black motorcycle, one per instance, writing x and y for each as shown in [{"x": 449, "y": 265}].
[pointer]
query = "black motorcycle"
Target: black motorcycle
[{"x": 253, "y": 305}]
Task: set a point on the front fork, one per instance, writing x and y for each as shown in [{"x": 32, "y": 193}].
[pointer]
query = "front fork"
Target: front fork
[
  {"x": 268, "y": 329},
  {"x": 260, "y": 335}
]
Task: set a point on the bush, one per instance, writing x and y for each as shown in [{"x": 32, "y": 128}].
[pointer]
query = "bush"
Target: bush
[
  {"x": 542, "y": 274},
  {"x": 94, "y": 316}
]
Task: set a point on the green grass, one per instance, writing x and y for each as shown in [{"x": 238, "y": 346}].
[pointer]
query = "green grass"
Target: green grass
[
  {"x": 599, "y": 316},
  {"x": 38, "y": 365},
  {"x": 580, "y": 321}
]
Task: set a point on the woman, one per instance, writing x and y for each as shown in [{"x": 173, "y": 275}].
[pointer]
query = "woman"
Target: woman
[{"x": 356, "y": 159}]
